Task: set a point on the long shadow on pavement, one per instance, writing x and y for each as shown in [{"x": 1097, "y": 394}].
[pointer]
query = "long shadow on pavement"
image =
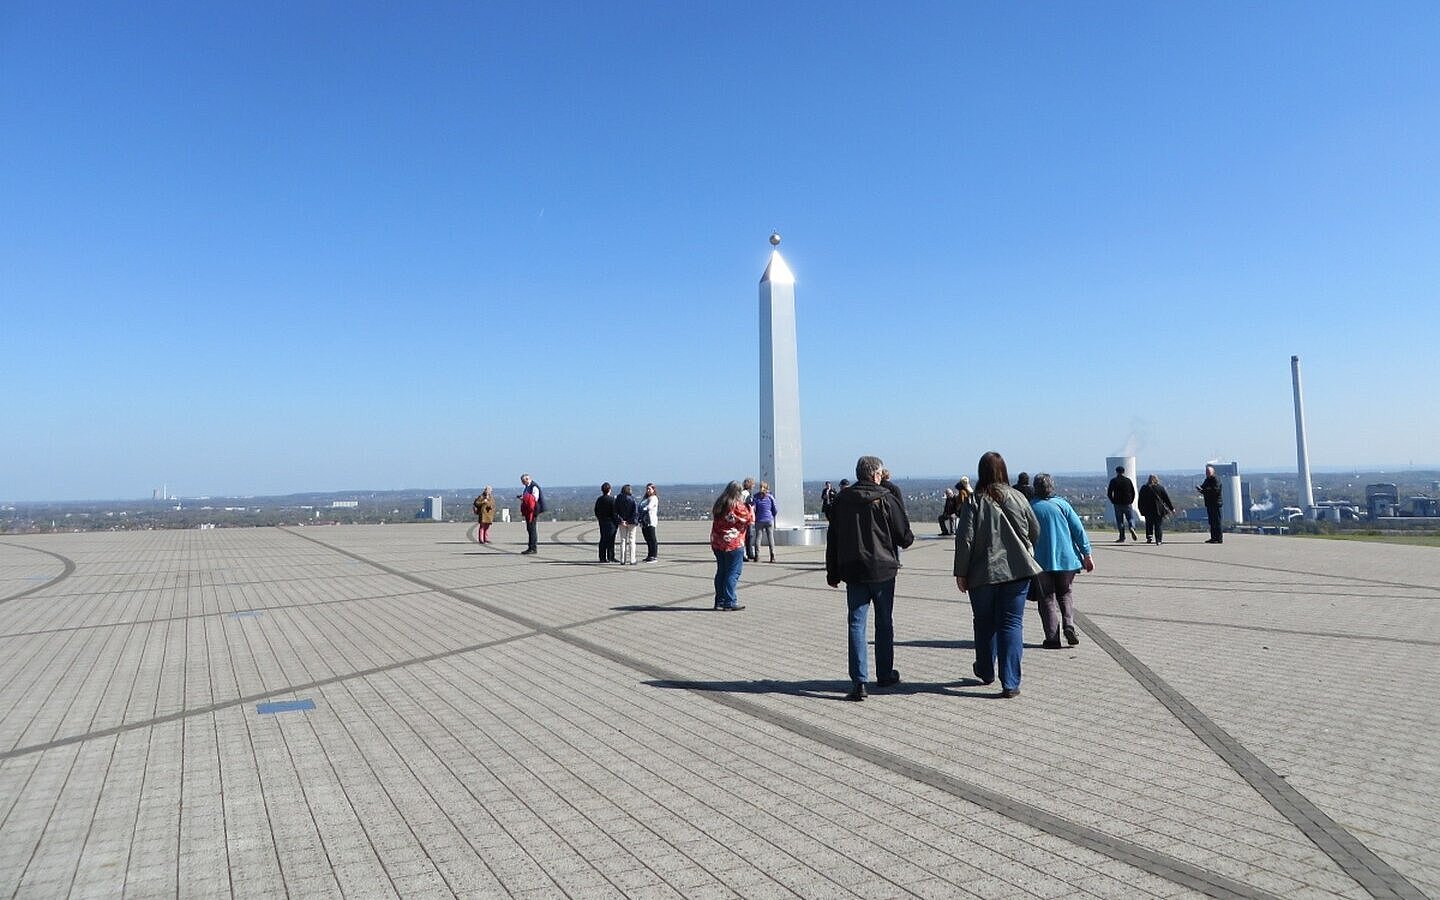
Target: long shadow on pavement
[{"x": 825, "y": 690}]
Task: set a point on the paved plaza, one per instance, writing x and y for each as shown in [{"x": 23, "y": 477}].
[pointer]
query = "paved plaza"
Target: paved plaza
[{"x": 369, "y": 711}]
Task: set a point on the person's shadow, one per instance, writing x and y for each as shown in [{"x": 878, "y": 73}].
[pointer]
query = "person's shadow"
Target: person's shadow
[{"x": 818, "y": 689}]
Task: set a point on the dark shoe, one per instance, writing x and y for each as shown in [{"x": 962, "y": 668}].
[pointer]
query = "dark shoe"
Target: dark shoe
[
  {"x": 1147, "y": 540},
  {"x": 525, "y": 552},
  {"x": 1071, "y": 636},
  {"x": 892, "y": 679},
  {"x": 732, "y": 607},
  {"x": 1120, "y": 540},
  {"x": 1051, "y": 645},
  {"x": 772, "y": 559},
  {"x": 1009, "y": 692},
  {"x": 975, "y": 667},
  {"x": 1133, "y": 535},
  {"x": 650, "y": 559},
  {"x": 1212, "y": 541},
  {"x": 857, "y": 693}
]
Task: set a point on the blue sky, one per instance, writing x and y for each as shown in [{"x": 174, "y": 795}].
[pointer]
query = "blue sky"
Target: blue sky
[{"x": 263, "y": 248}]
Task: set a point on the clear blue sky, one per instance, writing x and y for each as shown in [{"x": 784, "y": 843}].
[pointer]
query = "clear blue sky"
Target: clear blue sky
[{"x": 272, "y": 247}]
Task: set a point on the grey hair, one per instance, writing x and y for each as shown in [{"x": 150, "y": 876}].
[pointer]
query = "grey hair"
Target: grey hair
[
  {"x": 1044, "y": 486},
  {"x": 867, "y": 467}
]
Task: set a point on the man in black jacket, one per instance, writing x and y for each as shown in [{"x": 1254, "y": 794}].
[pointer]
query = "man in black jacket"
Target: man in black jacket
[
  {"x": 868, "y": 528},
  {"x": 1210, "y": 490},
  {"x": 1122, "y": 493},
  {"x": 607, "y": 520}
]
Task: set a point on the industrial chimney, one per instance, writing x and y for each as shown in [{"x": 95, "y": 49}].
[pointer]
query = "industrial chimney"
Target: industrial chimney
[{"x": 1302, "y": 455}]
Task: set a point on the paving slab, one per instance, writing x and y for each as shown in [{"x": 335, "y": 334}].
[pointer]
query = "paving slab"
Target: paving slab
[{"x": 397, "y": 710}]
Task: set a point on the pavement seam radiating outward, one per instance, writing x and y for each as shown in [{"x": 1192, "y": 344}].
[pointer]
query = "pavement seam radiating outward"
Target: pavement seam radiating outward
[
  {"x": 207, "y": 615},
  {"x": 1170, "y": 868},
  {"x": 1267, "y": 629},
  {"x": 1371, "y": 872},
  {"x": 178, "y": 715}
]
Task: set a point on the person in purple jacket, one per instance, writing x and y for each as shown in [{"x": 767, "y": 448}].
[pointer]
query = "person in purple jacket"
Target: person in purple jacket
[{"x": 765, "y": 513}]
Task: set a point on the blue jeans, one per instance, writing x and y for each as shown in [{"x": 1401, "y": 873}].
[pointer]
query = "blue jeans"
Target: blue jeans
[
  {"x": 727, "y": 576},
  {"x": 859, "y": 597},
  {"x": 1124, "y": 518},
  {"x": 999, "y": 629}
]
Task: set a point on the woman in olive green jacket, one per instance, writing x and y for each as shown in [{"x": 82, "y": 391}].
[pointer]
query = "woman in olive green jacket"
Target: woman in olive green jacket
[{"x": 994, "y": 562}]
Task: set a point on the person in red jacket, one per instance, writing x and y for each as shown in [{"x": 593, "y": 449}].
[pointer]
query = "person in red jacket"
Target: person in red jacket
[
  {"x": 732, "y": 518},
  {"x": 529, "y": 511}
]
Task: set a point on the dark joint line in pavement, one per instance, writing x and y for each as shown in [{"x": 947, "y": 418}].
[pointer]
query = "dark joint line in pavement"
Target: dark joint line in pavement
[
  {"x": 209, "y": 615},
  {"x": 211, "y": 708},
  {"x": 1367, "y": 869},
  {"x": 1266, "y": 629},
  {"x": 66, "y": 561}
]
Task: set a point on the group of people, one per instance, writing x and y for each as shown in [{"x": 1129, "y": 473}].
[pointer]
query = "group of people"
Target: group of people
[
  {"x": 532, "y": 504},
  {"x": 955, "y": 500},
  {"x": 1007, "y": 546},
  {"x": 1011, "y": 543},
  {"x": 1155, "y": 505},
  {"x": 622, "y": 515}
]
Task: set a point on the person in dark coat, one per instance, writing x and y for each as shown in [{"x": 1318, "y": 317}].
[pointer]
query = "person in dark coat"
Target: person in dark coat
[
  {"x": 1121, "y": 494},
  {"x": 1155, "y": 505},
  {"x": 1210, "y": 490},
  {"x": 868, "y": 528},
  {"x": 1022, "y": 484},
  {"x": 948, "y": 513},
  {"x": 607, "y": 520}
]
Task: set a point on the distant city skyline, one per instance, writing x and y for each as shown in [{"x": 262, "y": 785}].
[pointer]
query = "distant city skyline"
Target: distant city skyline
[{"x": 260, "y": 251}]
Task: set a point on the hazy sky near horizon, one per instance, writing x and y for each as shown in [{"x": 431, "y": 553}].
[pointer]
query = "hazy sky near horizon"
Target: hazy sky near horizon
[{"x": 264, "y": 248}]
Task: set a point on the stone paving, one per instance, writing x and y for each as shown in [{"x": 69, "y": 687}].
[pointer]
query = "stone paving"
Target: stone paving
[{"x": 1254, "y": 719}]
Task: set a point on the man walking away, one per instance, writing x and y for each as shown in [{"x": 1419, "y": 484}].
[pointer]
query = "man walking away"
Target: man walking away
[
  {"x": 1122, "y": 493},
  {"x": 868, "y": 528}
]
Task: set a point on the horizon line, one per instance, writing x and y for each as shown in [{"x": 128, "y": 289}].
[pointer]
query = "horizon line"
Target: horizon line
[{"x": 1072, "y": 473}]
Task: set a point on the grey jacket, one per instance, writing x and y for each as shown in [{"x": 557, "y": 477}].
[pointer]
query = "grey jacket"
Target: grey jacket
[{"x": 995, "y": 542}]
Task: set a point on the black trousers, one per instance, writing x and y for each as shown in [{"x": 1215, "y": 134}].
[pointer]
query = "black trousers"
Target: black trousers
[
  {"x": 1213, "y": 514},
  {"x": 1155, "y": 525},
  {"x": 652, "y": 542},
  {"x": 532, "y": 532},
  {"x": 607, "y": 541}
]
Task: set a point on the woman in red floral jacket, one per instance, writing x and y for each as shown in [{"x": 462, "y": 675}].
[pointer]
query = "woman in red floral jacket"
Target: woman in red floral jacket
[{"x": 727, "y": 538}]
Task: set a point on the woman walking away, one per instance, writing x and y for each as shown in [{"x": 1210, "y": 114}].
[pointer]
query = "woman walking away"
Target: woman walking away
[
  {"x": 732, "y": 518},
  {"x": 1062, "y": 549},
  {"x": 1155, "y": 505},
  {"x": 649, "y": 519},
  {"x": 605, "y": 518},
  {"x": 765, "y": 512},
  {"x": 485, "y": 512},
  {"x": 994, "y": 562},
  {"x": 628, "y": 512}
]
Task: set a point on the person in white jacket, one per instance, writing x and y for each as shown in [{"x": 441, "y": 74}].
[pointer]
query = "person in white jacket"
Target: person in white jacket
[{"x": 649, "y": 518}]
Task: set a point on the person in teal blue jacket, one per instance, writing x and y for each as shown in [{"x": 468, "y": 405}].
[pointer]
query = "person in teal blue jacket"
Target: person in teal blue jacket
[{"x": 1062, "y": 549}]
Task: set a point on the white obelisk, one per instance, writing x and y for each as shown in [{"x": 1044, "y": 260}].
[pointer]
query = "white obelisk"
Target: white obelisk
[{"x": 780, "y": 463}]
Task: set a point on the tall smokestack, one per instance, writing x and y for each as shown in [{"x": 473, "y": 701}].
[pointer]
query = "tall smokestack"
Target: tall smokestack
[{"x": 1302, "y": 455}]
